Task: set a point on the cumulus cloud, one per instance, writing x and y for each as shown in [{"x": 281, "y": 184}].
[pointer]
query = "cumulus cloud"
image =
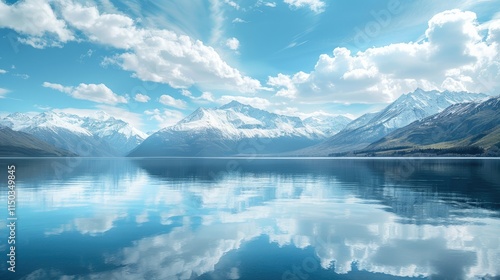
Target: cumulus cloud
[
  {"x": 164, "y": 118},
  {"x": 158, "y": 55},
  {"x": 316, "y": 6},
  {"x": 453, "y": 56},
  {"x": 233, "y": 43},
  {"x": 170, "y": 101},
  {"x": 109, "y": 29},
  {"x": 186, "y": 93},
  {"x": 3, "y": 71},
  {"x": 134, "y": 119},
  {"x": 205, "y": 96},
  {"x": 151, "y": 54},
  {"x": 36, "y": 22},
  {"x": 287, "y": 83},
  {"x": 141, "y": 98},
  {"x": 208, "y": 96},
  {"x": 232, "y": 4},
  {"x": 99, "y": 93}
]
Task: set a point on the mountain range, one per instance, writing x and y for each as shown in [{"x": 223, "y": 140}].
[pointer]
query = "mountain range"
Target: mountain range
[
  {"x": 95, "y": 135},
  {"x": 467, "y": 128},
  {"x": 237, "y": 129},
  {"x": 419, "y": 122},
  {"x": 372, "y": 127}
]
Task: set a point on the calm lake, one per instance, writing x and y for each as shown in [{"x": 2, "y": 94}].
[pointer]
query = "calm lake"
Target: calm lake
[{"x": 294, "y": 219}]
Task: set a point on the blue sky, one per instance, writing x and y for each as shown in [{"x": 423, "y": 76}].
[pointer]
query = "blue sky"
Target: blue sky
[{"x": 153, "y": 62}]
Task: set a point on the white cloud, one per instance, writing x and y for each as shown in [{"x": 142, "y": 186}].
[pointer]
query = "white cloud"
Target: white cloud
[
  {"x": 110, "y": 29},
  {"x": 205, "y": 96},
  {"x": 58, "y": 87},
  {"x": 232, "y": 4},
  {"x": 155, "y": 55},
  {"x": 123, "y": 114},
  {"x": 287, "y": 84},
  {"x": 158, "y": 55},
  {"x": 453, "y": 56},
  {"x": 165, "y": 118},
  {"x": 3, "y": 71},
  {"x": 186, "y": 93},
  {"x": 99, "y": 93},
  {"x": 265, "y": 3},
  {"x": 256, "y": 102},
  {"x": 208, "y": 96},
  {"x": 239, "y": 20},
  {"x": 316, "y": 6},
  {"x": 233, "y": 44},
  {"x": 170, "y": 101},
  {"x": 141, "y": 98},
  {"x": 36, "y": 20}
]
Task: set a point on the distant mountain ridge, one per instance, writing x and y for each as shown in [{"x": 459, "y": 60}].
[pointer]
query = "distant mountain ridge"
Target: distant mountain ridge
[
  {"x": 96, "y": 135},
  {"x": 329, "y": 125},
  {"x": 231, "y": 129},
  {"x": 373, "y": 126},
  {"x": 462, "y": 128},
  {"x": 236, "y": 129}
]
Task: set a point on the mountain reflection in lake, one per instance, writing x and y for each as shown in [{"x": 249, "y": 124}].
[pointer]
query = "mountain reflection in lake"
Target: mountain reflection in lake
[{"x": 256, "y": 219}]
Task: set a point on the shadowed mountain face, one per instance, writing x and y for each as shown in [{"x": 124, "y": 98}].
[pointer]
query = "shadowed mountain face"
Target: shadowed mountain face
[
  {"x": 372, "y": 127},
  {"x": 460, "y": 126},
  {"x": 235, "y": 129},
  {"x": 20, "y": 144}
]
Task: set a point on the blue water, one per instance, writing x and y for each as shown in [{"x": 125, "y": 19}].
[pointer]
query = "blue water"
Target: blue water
[{"x": 253, "y": 219}]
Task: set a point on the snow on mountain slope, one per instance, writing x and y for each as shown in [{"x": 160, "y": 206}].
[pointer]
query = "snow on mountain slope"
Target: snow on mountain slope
[
  {"x": 235, "y": 121},
  {"x": 418, "y": 105},
  {"x": 329, "y": 125},
  {"x": 361, "y": 121},
  {"x": 406, "y": 109},
  {"x": 16, "y": 121},
  {"x": 473, "y": 124},
  {"x": 56, "y": 121},
  {"x": 231, "y": 129},
  {"x": 96, "y": 135}
]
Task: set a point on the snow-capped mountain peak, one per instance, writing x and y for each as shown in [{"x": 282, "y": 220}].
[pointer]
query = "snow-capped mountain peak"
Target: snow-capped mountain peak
[
  {"x": 64, "y": 126},
  {"x": 235, "y": 105},
  {"x": 101, "y": 115},
  {"x": 15, "y": 121},
  {"x": 230, "y": 129},
  {"x": 236, "y": 120},
  {"x": 419, "y": 104},
  {"x": 58, "y": 121}
]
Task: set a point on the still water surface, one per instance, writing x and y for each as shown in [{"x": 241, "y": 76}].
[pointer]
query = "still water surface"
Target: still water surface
[{"x": 254, "y": 219}]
